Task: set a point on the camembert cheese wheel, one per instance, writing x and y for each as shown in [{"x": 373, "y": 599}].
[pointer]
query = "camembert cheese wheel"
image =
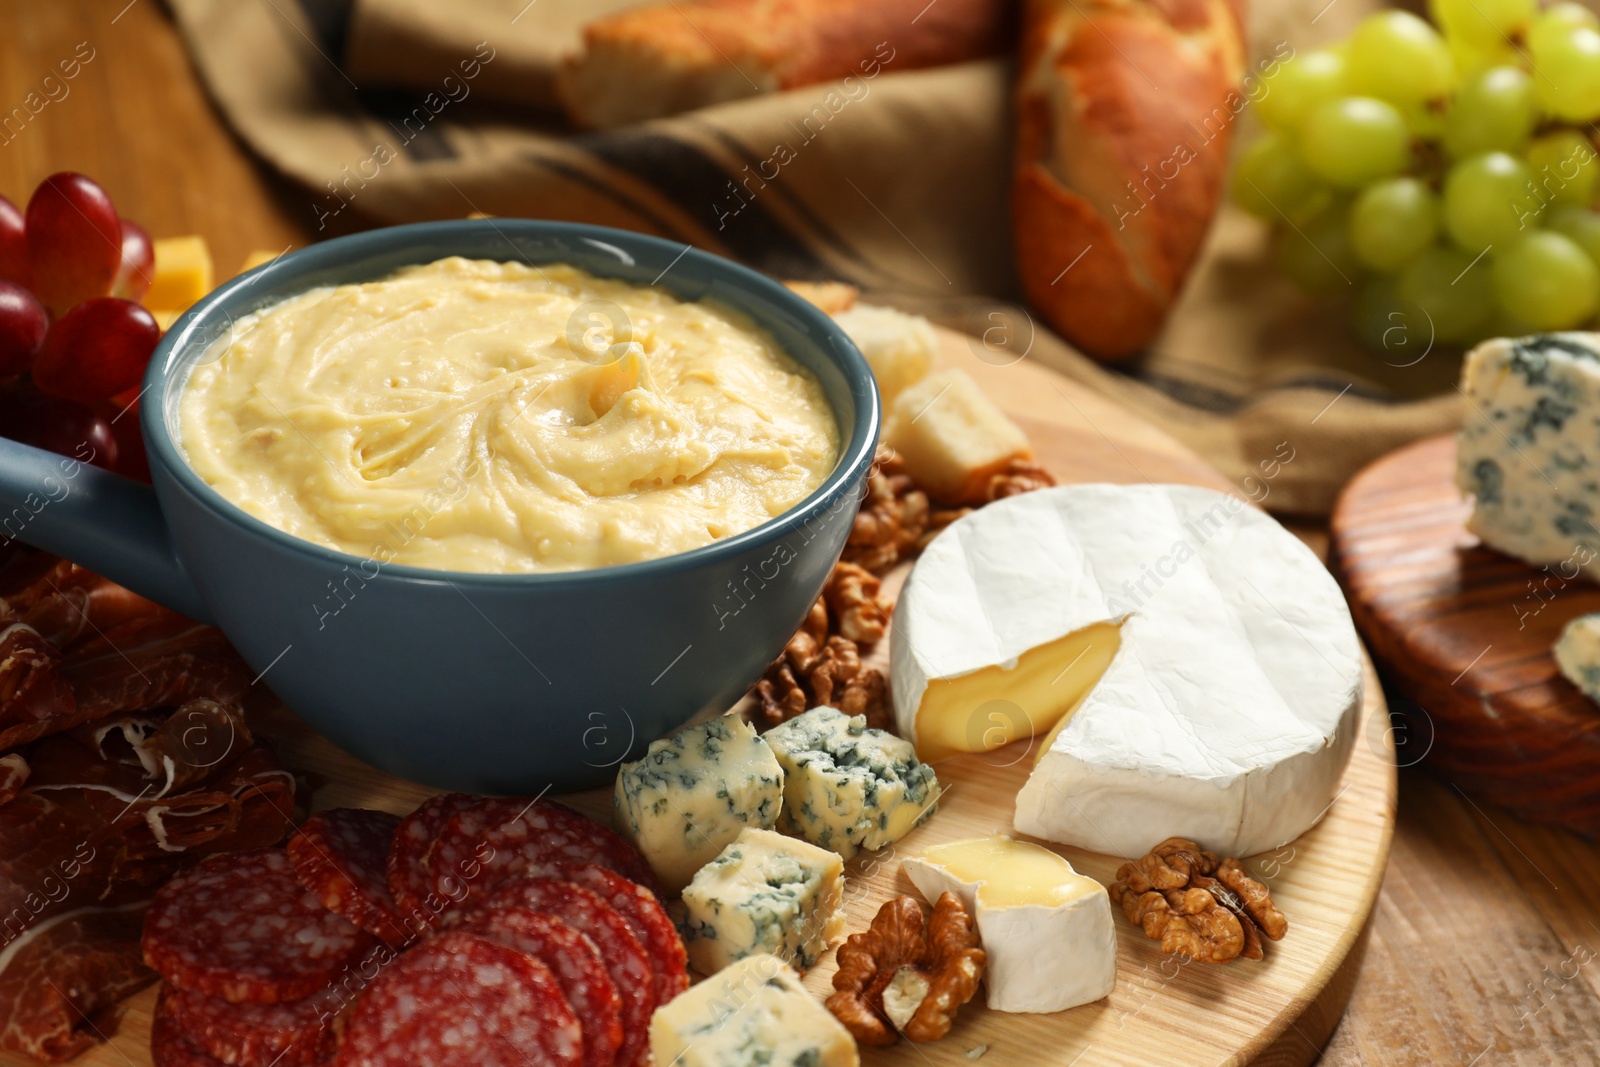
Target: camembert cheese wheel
[{"x": 1182, "y": 663}]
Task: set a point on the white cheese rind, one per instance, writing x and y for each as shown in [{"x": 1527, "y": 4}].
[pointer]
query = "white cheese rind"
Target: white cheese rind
[
  {"x": 764, "y": 893},
  {"x": 1577, "y": 653},
  {"x": 693, "y": 793},
  {"x": 1529, "y": 451},
  {"x": 1040, "y": 958},
  {"x": 1227, "y": 713},
  {"x": 847, "y": 787},
  {"x": 754, "y": 1012}
]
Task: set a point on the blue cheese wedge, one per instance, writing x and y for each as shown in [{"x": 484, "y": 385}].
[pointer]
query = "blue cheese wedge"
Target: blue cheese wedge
[
  {"x": 1046, "y": 928},
  {"x": 754, "y": 1012},
  {"x": 692, "y": 794},
  {"x": 1529, "y": 450},
  {"x": 847, "y": 787},
  {"x": 1578, "y": 654},
  {"x": 764, "y": 893}
]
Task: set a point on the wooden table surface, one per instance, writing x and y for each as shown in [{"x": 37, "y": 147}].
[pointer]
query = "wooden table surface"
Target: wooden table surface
[{"x": 1484, "y": 944}]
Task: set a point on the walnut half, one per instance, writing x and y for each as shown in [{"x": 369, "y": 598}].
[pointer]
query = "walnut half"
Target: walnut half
[
  {"x": 821, "y": 664},
  {"x": 1196, "y": 905},
  {"x": 900, "y": 976}
]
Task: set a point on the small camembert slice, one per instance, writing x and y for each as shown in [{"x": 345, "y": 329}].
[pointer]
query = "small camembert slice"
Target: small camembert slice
[
  {"x": 693, "y": 792},
  {"x": 1046, "y": 928},
  {"x": 1187, "y": 666},
  {"x": 764, "y": 893},
  {"x": 755, "y": 1011}
]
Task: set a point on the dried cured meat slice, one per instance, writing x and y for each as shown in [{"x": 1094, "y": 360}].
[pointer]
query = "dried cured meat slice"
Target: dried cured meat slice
[
  {"x": 153, "y": 661},
  {"x": 625, "y": 958},
  {"x": 242, "y": 927},
  {"x": 64, "y": 974},
  {"x": 407, "y": 867},
  {"x": 68, "y": 603},
  {"x": 497, "y": 839},
  {"x": 14, "y": 771},
  {"x": 576, "y": 963},
  {"x": 88, "y": 830},
  {"x": 461, "y": 1000},
  {"x": 298, "y": 1033},
  {"x": 646, "y": 918},
  {"x": 342, "y": 856},
  {"x": 34, "y": 699}
]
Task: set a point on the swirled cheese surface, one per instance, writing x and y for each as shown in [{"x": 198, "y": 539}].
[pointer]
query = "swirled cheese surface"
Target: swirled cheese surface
[{"x": 497, "y": 417}]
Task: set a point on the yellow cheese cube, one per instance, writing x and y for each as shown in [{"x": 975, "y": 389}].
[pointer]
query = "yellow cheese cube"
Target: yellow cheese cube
[
  {"x": 900, "y": 348},
  {"x": 951, "y": 436},
  {"x": 183, "y": 273},
  {"x": 260, "y": 257},
  {"x": 832, "y": 297}
]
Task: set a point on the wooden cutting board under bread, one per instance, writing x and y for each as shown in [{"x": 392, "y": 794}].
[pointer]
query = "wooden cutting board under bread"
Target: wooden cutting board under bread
[
  {"x": 1275, "y": 1012},
  {"x": 1465, "y": 633}
]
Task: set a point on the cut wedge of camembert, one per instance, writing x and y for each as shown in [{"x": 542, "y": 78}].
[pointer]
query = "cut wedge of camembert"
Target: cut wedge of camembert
[
  {"x": 1046, "y": 928},
  {"x": 1185, "y": 664}
]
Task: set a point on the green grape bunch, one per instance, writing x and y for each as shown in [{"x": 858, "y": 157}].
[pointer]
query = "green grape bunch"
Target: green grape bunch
[{"x": 1443, "y": 172}]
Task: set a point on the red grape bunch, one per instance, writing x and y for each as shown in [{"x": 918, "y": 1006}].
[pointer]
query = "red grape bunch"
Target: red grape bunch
[{"x": 74, "y": 340}]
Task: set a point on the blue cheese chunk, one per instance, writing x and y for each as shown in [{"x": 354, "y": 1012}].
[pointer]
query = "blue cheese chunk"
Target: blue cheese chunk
[
  {"x": 764, "y": 893},
  {"x": 755, "y": 1012},
  {"x": 693, "y": 792},
  {"x": 1578, "y": 654},
  {"x": 1529, "y": 450},
  {"x": 846, "y": 787}
]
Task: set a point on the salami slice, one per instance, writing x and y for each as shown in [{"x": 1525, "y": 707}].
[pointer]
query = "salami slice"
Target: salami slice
[
  {"x": 575, "y": 961},
  {"x": 461, "y": 1000},
  {"x": 407, "y": 867},
  {"x": 240, "y": 926},
  {"x": 342, "y": 856},
  {"x": 298, "y": 1033},
  {"x": 169, "y": 1045},
  {"x": 497, "y": 839},
  {"x": 584, "y": 911},
  {"x": 647, "y": 919}
]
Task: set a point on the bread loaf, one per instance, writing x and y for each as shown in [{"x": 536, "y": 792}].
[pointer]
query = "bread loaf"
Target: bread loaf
[
  {"x": 663, "y": 58},
  {"x": 1125, "y": 109}
]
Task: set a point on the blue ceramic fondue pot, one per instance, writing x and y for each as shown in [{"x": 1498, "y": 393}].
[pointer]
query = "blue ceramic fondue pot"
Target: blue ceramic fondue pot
[{"x": 484, "y": 682}]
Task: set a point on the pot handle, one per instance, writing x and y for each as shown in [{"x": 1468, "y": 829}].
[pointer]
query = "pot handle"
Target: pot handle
[{"x": 110, "y": 524}]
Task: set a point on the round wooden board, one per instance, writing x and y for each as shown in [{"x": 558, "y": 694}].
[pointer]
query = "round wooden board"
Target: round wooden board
[
  {"x": 1275, "y": 1012},
  {"x": 1464, "y": 633}
]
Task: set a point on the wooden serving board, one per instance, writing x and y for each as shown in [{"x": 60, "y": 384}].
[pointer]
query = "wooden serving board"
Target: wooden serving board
[
  {"x": 1276, "y": 1012},
  {"x": 1465, "y": 633}
]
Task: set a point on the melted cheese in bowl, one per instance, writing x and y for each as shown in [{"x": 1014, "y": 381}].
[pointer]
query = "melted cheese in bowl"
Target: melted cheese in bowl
[{"x": 497, "y": 417}]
